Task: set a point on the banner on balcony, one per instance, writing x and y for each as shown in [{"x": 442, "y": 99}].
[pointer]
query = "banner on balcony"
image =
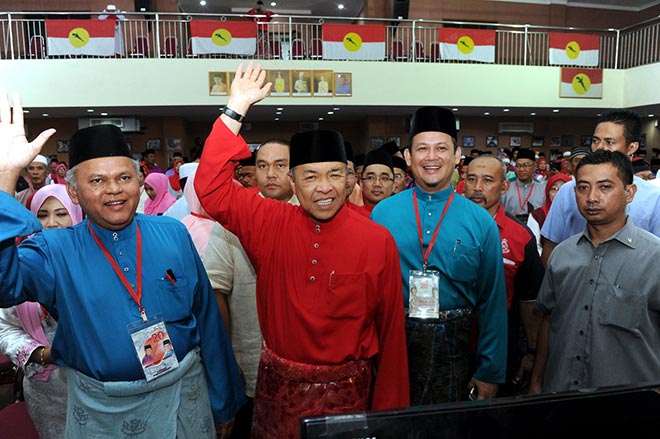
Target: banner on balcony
[
  {"x": 235, "y": 38},
  {"x": 467, "y": 44},
  {"x": 354, "y": 42},
  {"x": 581, "y": 83},
  {"x": 574, "y": 49},
  {"x": 80, "y": 37}
]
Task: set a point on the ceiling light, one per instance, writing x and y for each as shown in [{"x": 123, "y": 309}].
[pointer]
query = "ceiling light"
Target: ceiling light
[
  {"x": 486, "y": 113},
  {"x": 454, "y": 109},
  {"x": 45, "y": 114},
  {"x": 506, "y": 110},
  {"x": 104, "y": 114},
  {"x": 651, "y": 115},
  {"x": 278, "y": 112},
  {"x": 202, "y": 2},
  {"x": 279, "y": 108},
  {"x": 599, "y": 114},
  {"x": 336, "y": 109},
  {"x": 320, "y": 118},
  {"x": 26, "y": 111},
  {"x": 90, "y": 110},
  {"x": 532, "y": 114},
  {"x": 273, "y": 4},
  {"x": 340, "y": 6},
  {"x": 555, "y": 111},
  {"x": 277, "y": 118},
  {"x": 332, "y": 112}
]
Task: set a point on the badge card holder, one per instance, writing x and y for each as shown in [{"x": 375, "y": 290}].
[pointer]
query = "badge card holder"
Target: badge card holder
[
  {"x": 424, "y": 294},
  {"x": 153, "y": 347}
]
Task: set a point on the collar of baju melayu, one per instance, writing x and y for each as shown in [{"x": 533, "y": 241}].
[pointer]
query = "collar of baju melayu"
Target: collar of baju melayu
[
  {"x": 334, "y": 224},
  {"x": 626, "y": 235},
  {"x": 106, "y": 235},
  {"x": 441, "y": 196}
]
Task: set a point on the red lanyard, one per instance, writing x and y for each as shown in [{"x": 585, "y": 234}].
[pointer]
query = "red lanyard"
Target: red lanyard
[
  {"x": 425, "y": 254},
  {"x": 137, "y": 296},
  {"x": 524, "y": 203}
]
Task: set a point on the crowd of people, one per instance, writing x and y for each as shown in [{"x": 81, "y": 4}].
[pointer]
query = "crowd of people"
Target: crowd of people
[{"x": 234, "y": 294}]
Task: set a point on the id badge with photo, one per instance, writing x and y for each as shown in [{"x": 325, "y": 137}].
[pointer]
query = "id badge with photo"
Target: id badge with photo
[
  {"x": 153, "y": 347},
  {"x": 424, "y": 287}
]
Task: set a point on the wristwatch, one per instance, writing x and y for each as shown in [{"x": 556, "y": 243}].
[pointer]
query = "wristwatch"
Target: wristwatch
[{"x": 232, "y": 114}]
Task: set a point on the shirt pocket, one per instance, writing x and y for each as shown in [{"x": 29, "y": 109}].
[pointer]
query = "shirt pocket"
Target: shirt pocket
[
  {"x": 463, "y": 264},
  {"x": 623, "y": 310},
  {"x": 175, "y": 299},
  {"x": 346, "y": 297}
]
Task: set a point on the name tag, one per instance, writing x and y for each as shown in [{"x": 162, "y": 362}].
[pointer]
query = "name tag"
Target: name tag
[
  {"x": 153, "y": 347},
  {"x": 424, "y": 297}
]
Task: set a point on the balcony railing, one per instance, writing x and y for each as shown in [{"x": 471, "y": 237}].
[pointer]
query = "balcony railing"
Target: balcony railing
[{"x": 155, "y": 35}]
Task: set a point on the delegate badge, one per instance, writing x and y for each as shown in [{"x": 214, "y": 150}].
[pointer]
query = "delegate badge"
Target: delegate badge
[
  {"x": 153, "y": 346},
  {"x": 424, "y": 287}
]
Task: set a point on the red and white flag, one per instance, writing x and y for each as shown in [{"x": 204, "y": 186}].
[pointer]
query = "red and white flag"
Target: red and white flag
[
  {"x": 80, "y": 37},
  {"x": 354, "y": 42},
  {"x": 581, "y": 83},
  {"x": 467, "y": 44},
  {"x": 231, "y": 37},
  {"x": 574, "y": 49}
]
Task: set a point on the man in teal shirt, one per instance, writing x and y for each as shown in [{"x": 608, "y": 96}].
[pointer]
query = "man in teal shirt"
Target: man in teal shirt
[{"x": 461, "y": 256}]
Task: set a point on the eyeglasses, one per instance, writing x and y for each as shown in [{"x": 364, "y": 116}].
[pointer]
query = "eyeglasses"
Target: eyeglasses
[
  {"x": 373, "y": 178},
  {"x": 524, "y": 165}
]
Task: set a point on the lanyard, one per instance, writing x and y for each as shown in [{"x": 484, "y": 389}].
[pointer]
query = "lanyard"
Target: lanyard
[
  {"x": 425, "y": 254},
  {"x": 524, "y": 203},
  {"x": 137, "y": 296}
]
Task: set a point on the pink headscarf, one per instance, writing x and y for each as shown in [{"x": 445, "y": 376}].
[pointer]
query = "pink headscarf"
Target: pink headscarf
[
  {"x": 58, "y": 178},
  {"x": 198, "y": 223},
  {"x": 28, "y": 312},
  {"x": 163, "y": 199},
  {"x": 57, "y": 191}
]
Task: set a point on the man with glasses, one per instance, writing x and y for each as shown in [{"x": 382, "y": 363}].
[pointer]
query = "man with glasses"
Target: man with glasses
[
  {"x": 377, "y": 179},
  {"x": 401, "y": 178},
  {"x": 524, "y": 194}
]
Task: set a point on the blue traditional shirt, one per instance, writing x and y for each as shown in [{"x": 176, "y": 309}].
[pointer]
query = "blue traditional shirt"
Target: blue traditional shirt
[
  {"x": 66, "y": 271},
  {"x": 467, "y": 253}
]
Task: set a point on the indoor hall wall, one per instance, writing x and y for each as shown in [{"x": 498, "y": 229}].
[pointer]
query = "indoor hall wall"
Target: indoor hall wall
[
  {"x": 521, "y": 13},
  {"x": 85, "y": 5}
]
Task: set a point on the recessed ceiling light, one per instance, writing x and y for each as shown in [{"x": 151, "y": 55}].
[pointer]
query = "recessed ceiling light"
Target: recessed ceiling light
[
  {"x": 506, "y": 110},
  {"x": 651, "y": 115},
  {"x": 104, "y": 114},
  {"x": 279, "y": 108},
  {"x": 26, "y": 111},
  {"x": 90, "y": 110},
  {"x": 454, "y": 109},
  {"x": 44, "y": 114},
  {"x": 555, "y": 111},
  {"x": 487, "y": 113},
  {"x": 278, "y": 112},
  {"x": 320, "y": 118},
  {"x": 331, "y": 112},
  {"x": 277, "y": 118},
  {"x": 532, "y": 114},
  {"x": 599, "y": 114},
  {"x": 202, "y": 2},
  {"x": 273, "y": 4},
  {"x": 340, "y": 6}
]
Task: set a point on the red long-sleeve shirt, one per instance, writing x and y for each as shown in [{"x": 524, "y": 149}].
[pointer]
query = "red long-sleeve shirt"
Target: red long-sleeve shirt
[{"x": 327, "y": 293}]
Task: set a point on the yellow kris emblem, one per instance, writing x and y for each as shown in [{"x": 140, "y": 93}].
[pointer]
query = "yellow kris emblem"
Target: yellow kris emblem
[
  {"x": 221, "y": 37},
  {"x": 581, "y": 83},
  {"x": 78, "y": 37},
  {"x": 465, "y": 44},
  {"x": 352, "y": 42},
  {"x": 573, "y": 49}
]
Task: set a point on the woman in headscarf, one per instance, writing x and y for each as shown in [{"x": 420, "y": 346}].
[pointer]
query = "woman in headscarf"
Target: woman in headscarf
[
  {"x": 537, "y": 217},
  {"x": 175, "y": 185},
  {"x": 60, "y": 173},
  {"x": 198, "y": 223},
  {"x": 27, "y": 330},
  {"x": 155, "y": 185}
]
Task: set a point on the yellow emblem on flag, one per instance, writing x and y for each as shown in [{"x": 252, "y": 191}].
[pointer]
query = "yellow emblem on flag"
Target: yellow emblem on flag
[
  {"x": 221, "y": 37},
  {"x": 352, "y": 42},
  {"x": 78, "y": 37},
  {"x": 581, "y": 83},
  {"x": 465, "y": 44},
  {"x": 572, "y": 49}
]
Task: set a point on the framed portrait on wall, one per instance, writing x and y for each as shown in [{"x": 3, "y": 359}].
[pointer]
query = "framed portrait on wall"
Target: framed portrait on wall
[
  {"x": 585, "y": 140},
  {"x": 395, "y": 139},
  {"x": 468, "y": 141},
  {"x": 515, "y": 141},
  {"x": 343, "y": 84},
  {"x": 376, "y": 142},
  {"x": 491, "y": 141},
  {"x": 567, "y": 140},
  {"x": 555, "y": 141},
  {"x": 154, "y": 144},
  {"x": 323, "y": 84},
  {"x": 281, "y": 80},
  {"x": 62, "y": 146},
  {"x": 174, "y": 144},
  {"x": 218, "y": 84},
  {"x": 301, "y": 82},
  {"x": 537, "y": 141}
]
